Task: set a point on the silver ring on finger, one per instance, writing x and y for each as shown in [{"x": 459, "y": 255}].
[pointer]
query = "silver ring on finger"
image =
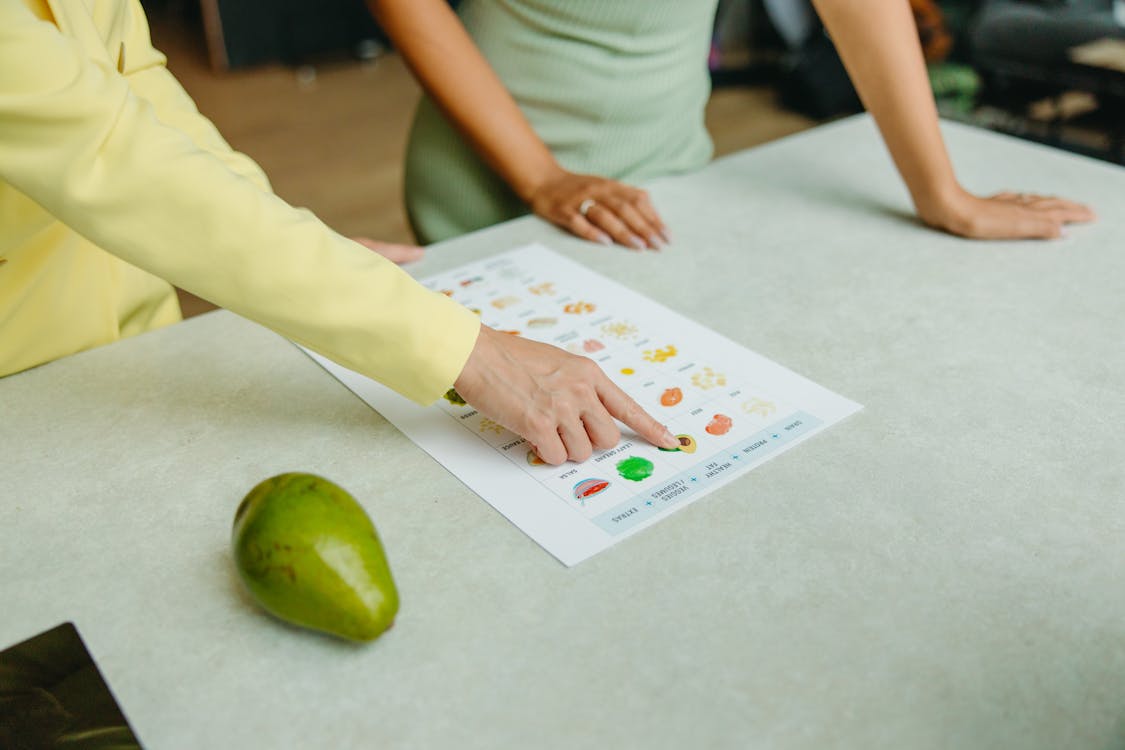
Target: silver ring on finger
[{"x": 585, "y": 206}]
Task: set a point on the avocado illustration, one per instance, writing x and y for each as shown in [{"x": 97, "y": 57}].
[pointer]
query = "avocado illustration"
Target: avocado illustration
[
  {"x": 309, "y": 554},
  {"x": 687, "y": 445}
]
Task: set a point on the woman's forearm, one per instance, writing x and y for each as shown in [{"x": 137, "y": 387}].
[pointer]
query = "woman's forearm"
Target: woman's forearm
[
  {"x": 455, "y": 74},
  {"x": 878, "y": 43}
]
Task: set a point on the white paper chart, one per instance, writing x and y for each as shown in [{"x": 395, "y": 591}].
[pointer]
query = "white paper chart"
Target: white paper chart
[{"x": 730, "y": 408}]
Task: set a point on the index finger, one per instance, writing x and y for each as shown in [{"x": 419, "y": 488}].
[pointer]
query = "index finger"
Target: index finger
[
  {"x": 640, "y": 225},
  {"x": 644, "y": 205},
  {"x": 1064, "y": 209},
  {"x": 622, "y": 407}
]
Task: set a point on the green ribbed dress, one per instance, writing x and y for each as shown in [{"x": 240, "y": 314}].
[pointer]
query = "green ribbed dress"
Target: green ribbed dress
[{"x": 613, "y": 87}]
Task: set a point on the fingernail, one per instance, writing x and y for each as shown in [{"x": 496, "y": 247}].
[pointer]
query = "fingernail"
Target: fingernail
[
  {"x": 655, "y": 242},
  {"x": 666, "y": 235},
  {"x": 637, "y": 242},
  {"x": 605, "y": 239},
  {"x": 670, "y": 440}
]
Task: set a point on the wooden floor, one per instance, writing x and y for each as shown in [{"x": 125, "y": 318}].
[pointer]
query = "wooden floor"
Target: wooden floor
[{"x": 332, "y": 139}]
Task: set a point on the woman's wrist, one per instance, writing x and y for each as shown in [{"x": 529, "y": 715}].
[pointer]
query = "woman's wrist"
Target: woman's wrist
[
  {"x": 944, "y": 205},
  {"x": 533, "y": 179}
]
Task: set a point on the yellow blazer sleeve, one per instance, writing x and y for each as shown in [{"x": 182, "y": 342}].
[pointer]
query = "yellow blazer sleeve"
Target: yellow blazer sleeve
[
  {"x": 76, "y": 139},
  {"x": 145, "y": 68}
]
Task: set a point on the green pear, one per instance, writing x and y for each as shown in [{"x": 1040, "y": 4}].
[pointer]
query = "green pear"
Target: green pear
[{"x": 310, "y": 555}]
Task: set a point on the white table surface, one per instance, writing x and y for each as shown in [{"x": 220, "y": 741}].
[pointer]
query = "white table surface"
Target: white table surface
[{"x": 944, "y": 569}]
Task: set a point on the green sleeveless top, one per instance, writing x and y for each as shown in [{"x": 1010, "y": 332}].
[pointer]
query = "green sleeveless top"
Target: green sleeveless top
[{"x": 615, "y": 88}]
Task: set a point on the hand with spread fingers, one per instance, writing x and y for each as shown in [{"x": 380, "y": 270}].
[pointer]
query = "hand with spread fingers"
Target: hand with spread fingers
[
  {"x": 1006, "y": 216},
  {"x": 600, "y": 210},
  {"x": 563, "y": 404},
  {"x": 886, "y": 65}
]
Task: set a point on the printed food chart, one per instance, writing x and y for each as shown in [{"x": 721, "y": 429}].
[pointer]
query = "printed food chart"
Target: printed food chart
[{"x": 730, "y": 408}]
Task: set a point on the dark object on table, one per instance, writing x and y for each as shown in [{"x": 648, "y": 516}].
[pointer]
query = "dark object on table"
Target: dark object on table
[
  {"x": 1033, "y": 43},
  {"x": 1033, "y": 39},
  {"x": 53, "y": 696}
]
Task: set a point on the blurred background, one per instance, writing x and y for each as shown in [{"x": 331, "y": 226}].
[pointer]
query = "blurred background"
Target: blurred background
[{"x": 313, "y": 91}]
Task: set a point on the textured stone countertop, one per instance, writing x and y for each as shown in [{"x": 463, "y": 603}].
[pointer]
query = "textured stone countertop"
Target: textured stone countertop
[{"x": 945, "y": 569}]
